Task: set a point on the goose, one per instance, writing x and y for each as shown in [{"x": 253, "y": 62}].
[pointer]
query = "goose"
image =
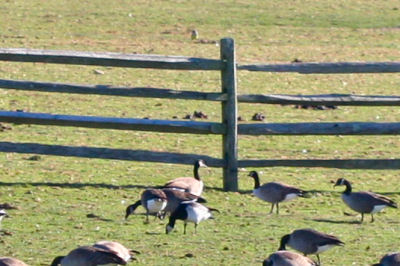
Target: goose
[
  {"x": 309, "y": 241},
  {"x": 101, "y": 253},
  {"x": 153, "y": 200},
  {"x": 7, "y": 261},
  {"x": 390, "y": 259},
  {"x": 363, "y": 201},
  {"x": 193, "y": 212},
  {"x": 189, "y": 184},
  {"x": 274, "y": 192},
  {"x": 288, "y": 258}
]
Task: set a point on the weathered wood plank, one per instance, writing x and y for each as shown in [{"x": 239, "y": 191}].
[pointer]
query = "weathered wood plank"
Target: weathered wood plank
[
  {"x": 110, "y": 90},
  {"x": 324, "y": 99},
  {"x": 192, "y": 127},
  {"x": 326, "y": 68},
  {"x": 348, "y": 128},
  {"x": 229, "y": 115},
  {"x": 109, "y": 59},
  {"x": 108, "y": 153},
  {"x": 377, "y": 164}
]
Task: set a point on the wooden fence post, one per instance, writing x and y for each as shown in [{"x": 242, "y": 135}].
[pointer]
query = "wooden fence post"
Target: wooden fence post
[{"x": 229, "y": 115}]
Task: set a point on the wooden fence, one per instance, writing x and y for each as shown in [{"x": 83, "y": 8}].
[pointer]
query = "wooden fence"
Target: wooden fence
[{"x": 228, "y": 97}]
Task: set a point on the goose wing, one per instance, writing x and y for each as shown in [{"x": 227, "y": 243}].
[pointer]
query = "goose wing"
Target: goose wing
[{"x": 380, "y": 199}]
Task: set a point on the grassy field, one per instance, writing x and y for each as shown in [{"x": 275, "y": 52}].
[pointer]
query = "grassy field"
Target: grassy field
[{"x": 54, "y": 195}]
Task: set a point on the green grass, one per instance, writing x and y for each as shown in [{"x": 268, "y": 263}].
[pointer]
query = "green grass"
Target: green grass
[{"x": 54, "y": 194}]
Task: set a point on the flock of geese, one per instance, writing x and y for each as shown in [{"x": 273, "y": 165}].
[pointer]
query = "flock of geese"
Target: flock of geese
[{"x": 181, "y": 199}]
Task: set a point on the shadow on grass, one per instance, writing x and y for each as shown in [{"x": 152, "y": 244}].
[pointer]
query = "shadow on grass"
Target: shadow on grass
[{"x": 335, "y": 221}]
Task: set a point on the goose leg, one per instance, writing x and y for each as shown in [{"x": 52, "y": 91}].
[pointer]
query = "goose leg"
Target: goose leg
[
  {"x": 184, "y": 228},
  {"x": 147, "y": 217},
  {"x": 362, "y": 218},
  {"x": 277, "y": 208},
  {"x": 195, "y": 228},
  {"x": 319, "y": 261},
  {"x": 272, "y": 208},
  {"x": 372, "y": 218}
]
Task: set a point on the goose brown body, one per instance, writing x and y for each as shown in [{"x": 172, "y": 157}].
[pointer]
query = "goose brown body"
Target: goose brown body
[
  {"x": 176, "y": 197},
  {"x": 390, "y": 259},
  {"x": 102, "y": 253},
  {"x": 309, "y": 241},
  {"x": 288, "y": 258},
  {"x": 192, "y": 185},
  {"x": 7, "y": 261}
]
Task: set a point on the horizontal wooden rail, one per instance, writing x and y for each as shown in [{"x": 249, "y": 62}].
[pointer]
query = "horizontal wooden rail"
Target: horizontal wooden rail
[
  {"x": 378, "y": 164},
  {"x": 108, "y": 153},
  {"x": 110, "y": 90},
  {"x": 349, "y": 128},
  {"x": 109, "y": 59},
  {"x": 192, "y": 127},
  {"x": 324, "y": 99},
  {"x": 326, "y": 68}
]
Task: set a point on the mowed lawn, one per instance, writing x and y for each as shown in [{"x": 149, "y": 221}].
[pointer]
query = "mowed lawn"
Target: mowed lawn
[{"x": 64, "y": 202}]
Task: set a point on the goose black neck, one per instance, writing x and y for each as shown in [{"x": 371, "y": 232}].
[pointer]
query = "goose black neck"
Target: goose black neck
[
  {"x": 131, "y": 208},
  {"x": 348, "y": 187},
  {"x": 256, "y": 180},
  {"x": 284, "y": 241},
  {"x": 57, "y": 261},
  {"x": 196, "y": 171},
  {"x": 172, "y": 220}
]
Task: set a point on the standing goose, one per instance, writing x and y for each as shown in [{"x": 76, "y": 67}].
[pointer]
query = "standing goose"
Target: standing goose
[
  {"x": 309, "y": 241},
  {"x": 153, "y": 200},
  {"x": 7, "y": 261},
  {"x": 390, "y": 259},
  {"x": 189, "y": 184},
  {"x": 363, "y": 201},
  {"x": 102, "y": 253},
  {"x": 189, "y": 212},
  {"x": 274, "y": 192},
  {"x": 288, "y": 258}
]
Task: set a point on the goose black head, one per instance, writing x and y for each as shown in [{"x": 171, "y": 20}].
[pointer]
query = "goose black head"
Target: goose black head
[
  {"x": 200, "y": 163},
  {"x": 340, "y": 182},
  {"x": 131, "y": 208},
  {"x": 253, "y": 174}
]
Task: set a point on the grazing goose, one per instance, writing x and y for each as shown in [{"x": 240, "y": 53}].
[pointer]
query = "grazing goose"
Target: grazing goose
[
  {"x": 189, "y": 212},
  {"x": 189, "y": 184},
  {"x": 153, "y": 200},
  {"x": 390, "y": 259},
  {"x": 309, "y": 241},
  {"x": 364, "y": 202},
  {"x": 6, "y": 261},
  {"x": 102, "y": 253},
  {"x": 274, "y": 192},
  {"x": 288, "y": 258}
]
